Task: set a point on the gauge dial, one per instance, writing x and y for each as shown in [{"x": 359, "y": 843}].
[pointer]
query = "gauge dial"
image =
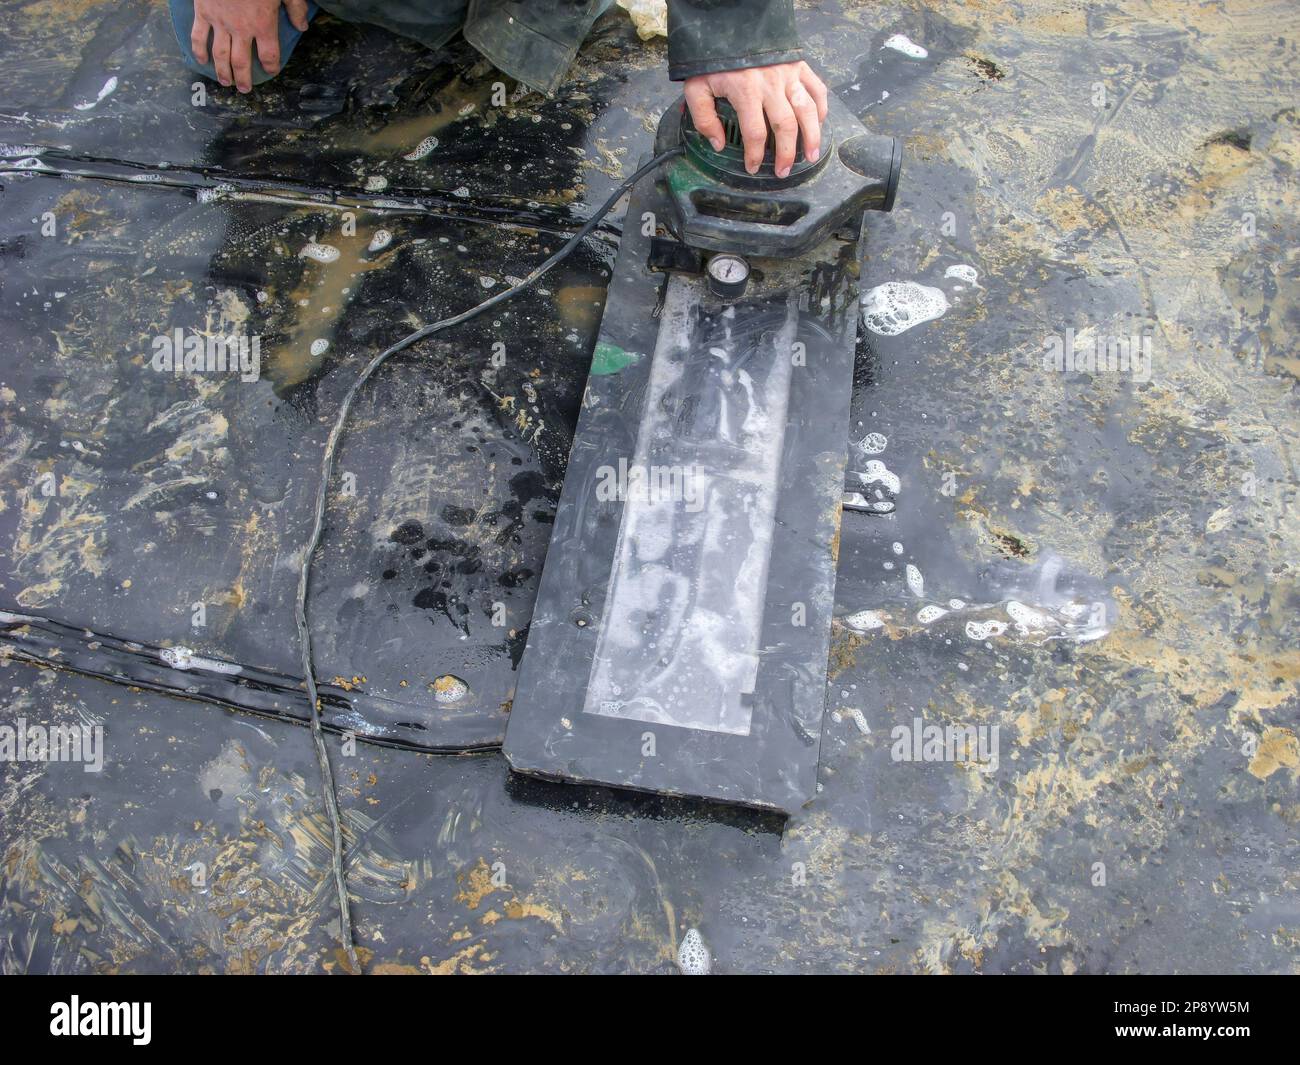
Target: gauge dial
[{"x": 728, "y": 276}]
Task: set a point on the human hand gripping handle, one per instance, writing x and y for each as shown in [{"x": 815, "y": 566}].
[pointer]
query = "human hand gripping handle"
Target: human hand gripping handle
[
  {"x": 234, "y": 26},
  {"x": 789, "y": 97}
]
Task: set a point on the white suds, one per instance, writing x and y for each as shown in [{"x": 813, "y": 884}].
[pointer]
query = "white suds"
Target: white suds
[
  {"x": 449, "y": 689},
  {"x": 693, "y": 957},
  {"x": 857, "y": 499},
  {"x": 109, "y": 87},
  {"x": 177, "y": 657},
  {"x": 962, "y": 272},
  {"x": 982, "y": 630},
  {"x": 1026, "y": 618},
  {"x": 322, "y": 253},
  {"x": 915, "y": 582},
  {"x": 899, "y": 43},
  {"x": 421, "y": 150},
  {"x": 876, "y": 472},
  {"x": 213, "y": 194},
  {"x": 184, "y": 658},
  {"x": 1041, "y": 603},
  {"x": 865, "y": 621},
  {"x": 873, "y": 443},
  {"x": 897, "y": 306}
]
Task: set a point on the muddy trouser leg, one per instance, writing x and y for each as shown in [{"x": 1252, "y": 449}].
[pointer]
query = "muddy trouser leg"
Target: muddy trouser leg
[{"x": 183, "y": 21}]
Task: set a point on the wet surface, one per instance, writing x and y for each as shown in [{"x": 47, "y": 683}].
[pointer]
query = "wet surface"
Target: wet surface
[
  {"x": 1121, "y": 540},
  {"x": 679, "y": 640}
]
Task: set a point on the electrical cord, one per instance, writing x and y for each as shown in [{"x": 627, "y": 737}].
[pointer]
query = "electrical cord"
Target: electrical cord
[{"x": 318, "y": 525}]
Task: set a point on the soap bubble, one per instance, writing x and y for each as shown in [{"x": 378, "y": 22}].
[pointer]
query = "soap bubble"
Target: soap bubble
[
  {"x": 693, "y": 957},
  {"x": 915, "y": 581},
  {"x": 322, "y": 253},
  {"x": 897, "y": 306},
  {"x": 421, "y": 150},
  {"x": 865, "y": 621}
]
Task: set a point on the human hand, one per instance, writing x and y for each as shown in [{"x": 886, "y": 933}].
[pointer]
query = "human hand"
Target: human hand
[
  {"x": 792, "y": 97},
  {"x": 235, "y": 25}
]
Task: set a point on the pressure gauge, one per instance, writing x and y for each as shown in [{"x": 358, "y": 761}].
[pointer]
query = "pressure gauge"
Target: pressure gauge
[{"x": 728, "y": 276}]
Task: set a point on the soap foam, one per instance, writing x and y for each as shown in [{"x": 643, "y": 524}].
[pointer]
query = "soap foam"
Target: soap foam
[
  {"x": 873, "y": 443},
  {"x": 897, "y": 306},
  {"x": 693, "y": 957},
  {"x": 421, "y": 150},
  {"x": 1036, "y": 604},
  {"x": 876, "y": 472},
  {"x": 181, "y": 657},
  {"x": 449, "y": 689},
  {"x": 865, "y": 621},
  {"x": 899, "y": 43},
  {"x": 322, "y": 253},
  {"x": 110, "y": 86},
  {"x": 915, "y": 582},
  {"x": 982, "y": 630}
]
